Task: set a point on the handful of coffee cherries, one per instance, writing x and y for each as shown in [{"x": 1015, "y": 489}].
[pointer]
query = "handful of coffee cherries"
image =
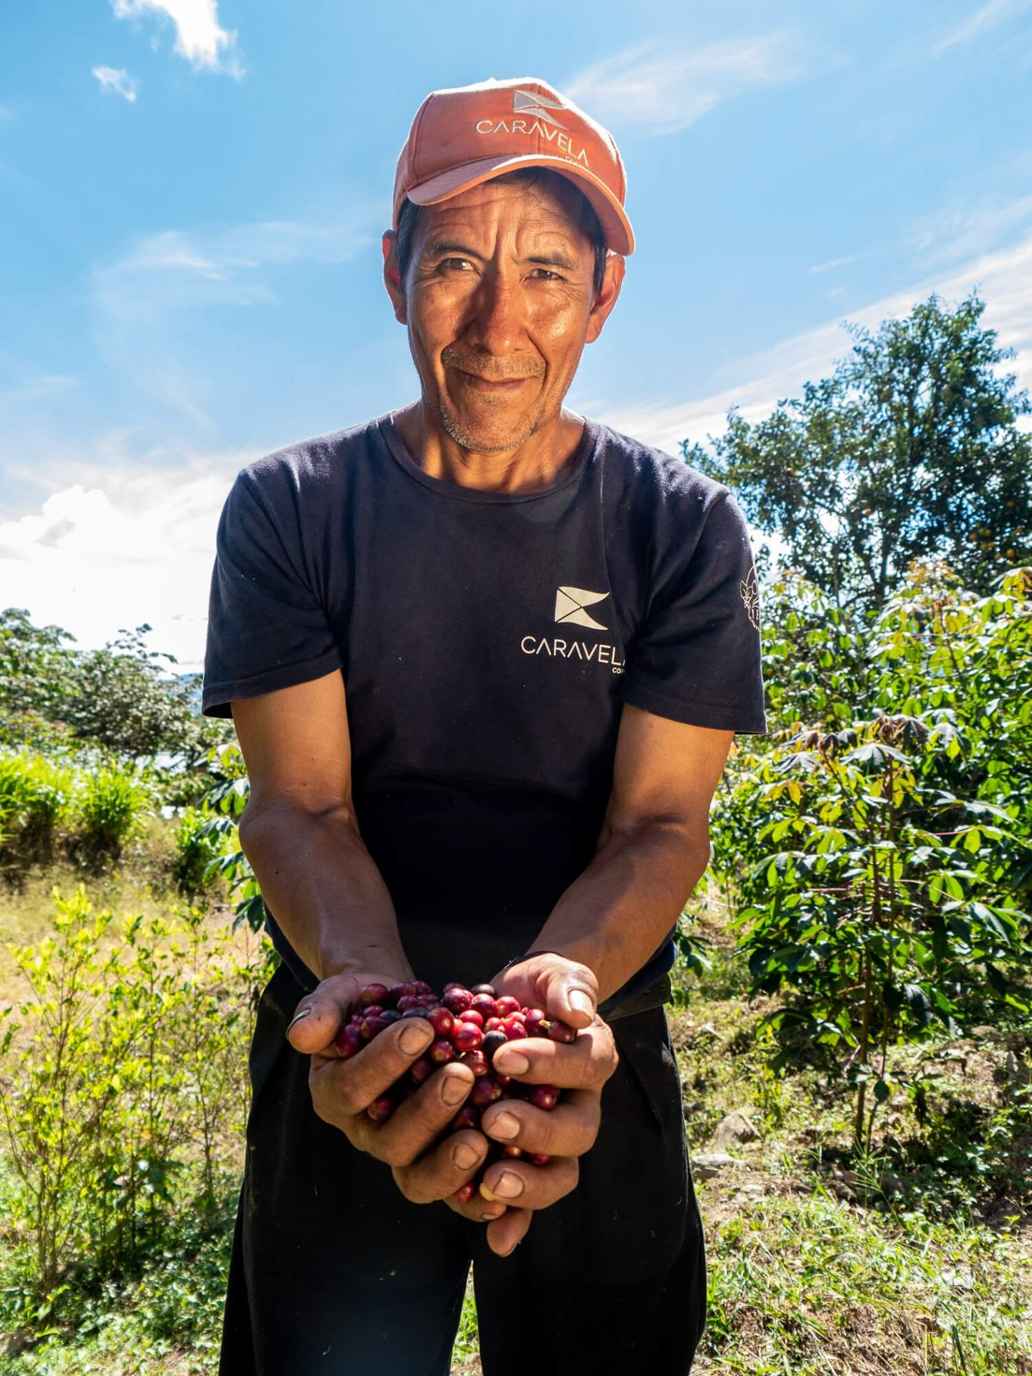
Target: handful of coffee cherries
[{"x": 471, "y": 1026}]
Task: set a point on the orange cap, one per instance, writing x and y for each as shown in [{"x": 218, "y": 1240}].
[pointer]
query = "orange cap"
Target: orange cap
[{"x": 465, "y": 136}]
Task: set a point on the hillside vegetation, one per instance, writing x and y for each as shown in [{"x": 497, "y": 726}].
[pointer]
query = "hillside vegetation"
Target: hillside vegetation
[{"x": 852, "y": 1006}]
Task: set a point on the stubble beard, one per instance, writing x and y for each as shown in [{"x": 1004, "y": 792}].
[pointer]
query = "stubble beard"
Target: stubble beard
[{"x": 468, "y": 441}]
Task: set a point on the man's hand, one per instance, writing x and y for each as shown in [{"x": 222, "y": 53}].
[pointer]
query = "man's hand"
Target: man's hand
[
  {"x": 567, "y": 991},
  {"x": 343, "y": 1089}
]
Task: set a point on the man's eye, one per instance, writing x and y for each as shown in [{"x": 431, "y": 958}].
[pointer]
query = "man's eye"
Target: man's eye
[
  {"x": 545, "y": 275},
  {"x": 455, "y": 264}
]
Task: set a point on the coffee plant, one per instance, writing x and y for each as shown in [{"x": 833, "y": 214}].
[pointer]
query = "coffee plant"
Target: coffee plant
[{"x": 880, "y": 852}]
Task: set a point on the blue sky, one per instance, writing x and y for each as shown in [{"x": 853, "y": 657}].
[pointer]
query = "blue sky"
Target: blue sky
[{"x": 192, "y": 195}]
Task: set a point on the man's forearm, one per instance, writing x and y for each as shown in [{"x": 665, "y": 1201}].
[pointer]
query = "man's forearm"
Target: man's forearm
[
  {"x": 322, "y": 885},
  {"x": 617, "y": 913}
]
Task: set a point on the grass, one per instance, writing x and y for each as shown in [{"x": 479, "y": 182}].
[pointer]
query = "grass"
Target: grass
[{"x": 915, "y": 1262}]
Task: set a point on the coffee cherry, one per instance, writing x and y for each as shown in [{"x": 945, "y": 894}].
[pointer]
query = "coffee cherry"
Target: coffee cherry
[
  {"x": 371, "y": 1010},
  {"x": 492, "y": 1024},
  {"x": 513, "y": 1151},
  {"x": 466, "y": 1036},
  {"x": 457, "y": 1000},
  {"x": 372, "y": 1027},
  {"x": 485, "y": 1005},
  {"x": 472, "y": 1015},
  {"x": 493, "y": 1041},
  {"x": 544, "y": 1096},
  {"x": 440, "y": 1020},
  {"x": 410, "y": 1001},
  {"x": 538, "y": 1158},
  {"x": 381, "y": 1109},
  {"x": 374, "y": 993},
  {"x": 507, "y": 1005},
  {"x": 560, "y": 1032},
  {"x": 349, "y": 1041},
  {"x": 488, "y": 989},
  {"x": 420, "y": 986},
  {"x": 514, "y": 1028},
  {"x": 485, "y": 1091},
  {"x": 465, "y": 1192},
  {"x": 441, "y": 1051},
  {"x": 388, "y": 1016},
  {"x": 534, "y": 1018},
  {"x": 422, "y": 1070},
  {"x": 477, "y": 1062},
  {"x": 468, "y": 1116}
]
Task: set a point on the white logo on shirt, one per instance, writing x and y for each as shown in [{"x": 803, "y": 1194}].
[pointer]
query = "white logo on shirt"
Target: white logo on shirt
[{"x": 570, "y": 604}]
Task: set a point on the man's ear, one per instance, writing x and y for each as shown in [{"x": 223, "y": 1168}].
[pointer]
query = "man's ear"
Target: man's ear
[
  {"x": 612, "y": 281},
  {"x": 392, "y": 278}
]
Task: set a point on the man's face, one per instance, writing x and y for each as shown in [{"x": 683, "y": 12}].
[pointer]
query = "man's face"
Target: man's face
[{"x": 499, "y": 302}]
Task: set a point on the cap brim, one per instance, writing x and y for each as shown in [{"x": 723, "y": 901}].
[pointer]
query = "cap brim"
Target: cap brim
[{"x": 615, "y": 225}]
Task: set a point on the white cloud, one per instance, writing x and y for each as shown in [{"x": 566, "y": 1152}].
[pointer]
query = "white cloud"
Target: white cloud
[
  {"x": 119, "y": 545},
  {"x": 964, "y": 231},
  {"x": 666, "y": 88},
  {"x": 1004, "y": 281},
  {"x": 989, "y": 16},
  {"x": 199, "y": 37},
  {"x": 171, "y": 272},
  {"x": 118, "y": 81},
  {"x": 176, "y": 270},
  {"x": 834, "y": 263}
]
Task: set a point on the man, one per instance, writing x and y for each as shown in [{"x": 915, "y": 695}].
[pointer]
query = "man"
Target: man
[{"x": 485, "y": 659}]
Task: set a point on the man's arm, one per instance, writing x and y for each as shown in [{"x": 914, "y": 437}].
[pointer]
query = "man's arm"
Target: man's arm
[
  {"x": 300, "y": 834},
  {"x": 653, "y": 849}
]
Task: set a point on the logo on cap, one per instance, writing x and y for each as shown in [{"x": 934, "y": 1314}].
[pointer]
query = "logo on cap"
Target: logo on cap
[{"x": 532, "y": 103}]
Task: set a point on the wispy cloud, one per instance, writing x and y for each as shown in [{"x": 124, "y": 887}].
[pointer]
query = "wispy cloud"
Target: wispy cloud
[
  {"x": 666, "y": 89},
  {"x": 199, "y": 36},
  {"x": 989, "y": 16},
  {"x": 174, "y": 270},
  {"x": 139, "y": 299},
  {"x": 118, "y": 81},
  {"x": 834, "y": 263},
  {"x": 1004, "y": 281},
  {"x": 963, "y": 231}
]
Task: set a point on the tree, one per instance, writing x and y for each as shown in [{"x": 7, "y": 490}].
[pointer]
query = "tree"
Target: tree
[
  {"x": 121, "y": 697},
  {"x": 909, "y": 450}
]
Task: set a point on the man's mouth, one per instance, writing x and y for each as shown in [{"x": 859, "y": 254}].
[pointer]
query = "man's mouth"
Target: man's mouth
[{"x": 491, "y": 384}]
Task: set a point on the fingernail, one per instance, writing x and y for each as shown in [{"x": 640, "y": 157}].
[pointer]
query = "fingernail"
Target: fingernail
[
  {"x": 465, "y": 1156},
  {"x": 298, "y": 1016},
  {"x": 493, "y": 1211},
  {"x": 581, "y": 1002},
  {"x": 504, "y": 1126},
  {"x": 416, "y": 1037},
  {"x": 511, "y": 1062},
  {"x": 454, "y": 1090},
  {"x": 508, "y": 1186},
  {"x": 486, "y": 1193}
]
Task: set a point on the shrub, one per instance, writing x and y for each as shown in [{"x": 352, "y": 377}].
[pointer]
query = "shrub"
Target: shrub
[
  {"x": 880, "y": 855},
  {"x": 108, "y": 808},
  {"x": 124, "y": 1079},
  {"x": 197, "y": 848},
  {"x": 35, "y": 795}
]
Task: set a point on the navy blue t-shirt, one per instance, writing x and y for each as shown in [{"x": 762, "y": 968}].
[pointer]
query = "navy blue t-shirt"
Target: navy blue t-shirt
[{"x": 487, "y": 641}]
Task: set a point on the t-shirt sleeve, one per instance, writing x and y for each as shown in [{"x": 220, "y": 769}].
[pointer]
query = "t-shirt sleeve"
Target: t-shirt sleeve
[
  {"x": 267, "y": 624},
  {"x": 696, "y": 657}
]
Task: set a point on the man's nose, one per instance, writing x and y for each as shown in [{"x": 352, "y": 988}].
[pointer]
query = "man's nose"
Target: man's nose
[{"x": 496, "y": 322}]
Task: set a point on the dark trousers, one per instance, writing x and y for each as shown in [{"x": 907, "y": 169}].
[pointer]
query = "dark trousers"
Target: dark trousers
[{"x": 334, "y": 1273}]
